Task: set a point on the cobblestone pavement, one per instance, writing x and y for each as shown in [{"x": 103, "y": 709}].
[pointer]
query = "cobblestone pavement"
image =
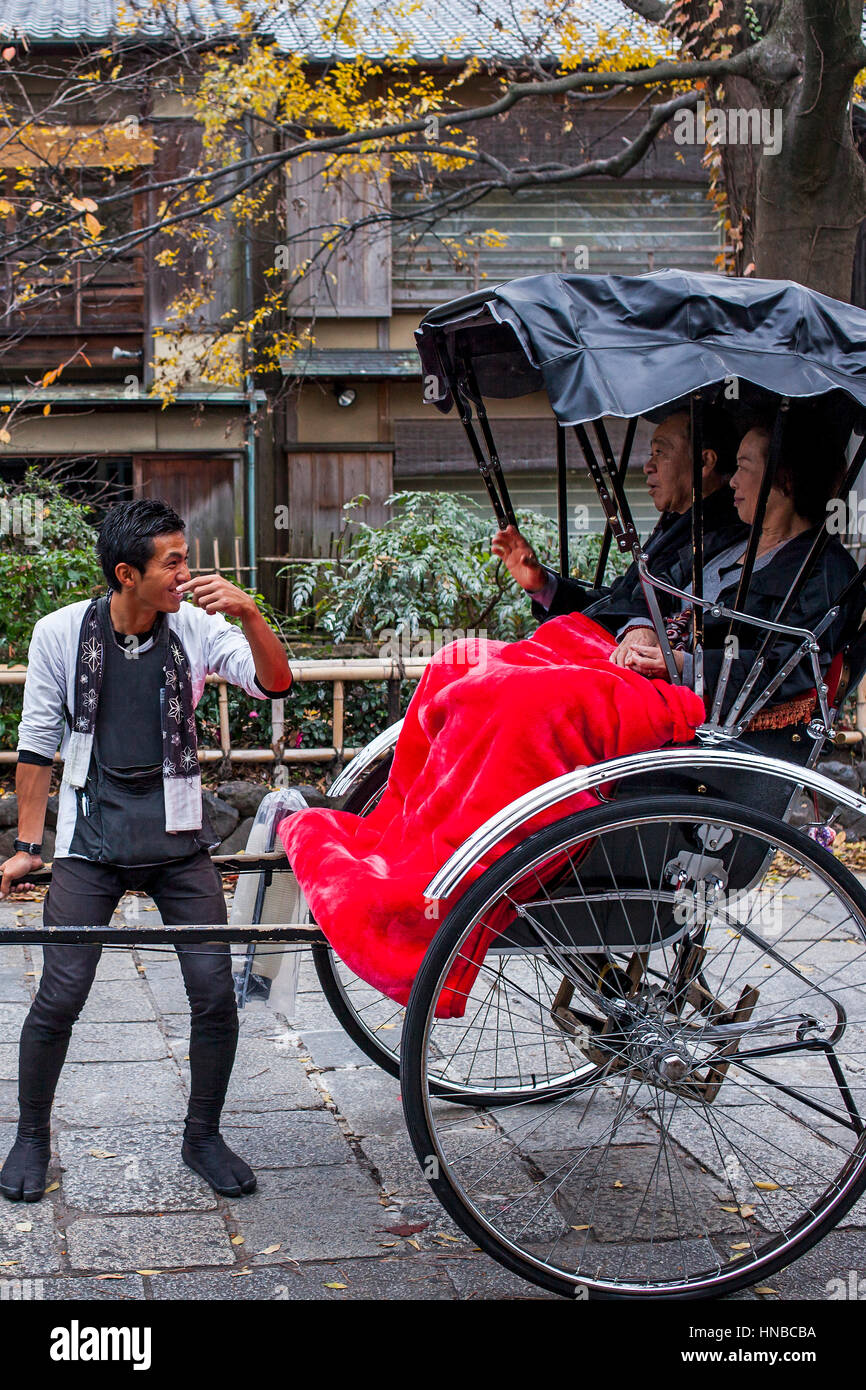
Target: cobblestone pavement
[{"x": 322, "y": 1127}]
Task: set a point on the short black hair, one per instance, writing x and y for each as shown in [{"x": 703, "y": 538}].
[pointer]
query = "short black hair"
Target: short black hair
[
  {"x": 126, "y": 535},
  {"x": 718, "y": 432}
]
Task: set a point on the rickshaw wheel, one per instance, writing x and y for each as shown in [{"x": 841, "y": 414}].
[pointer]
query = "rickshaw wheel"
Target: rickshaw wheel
[{"x": 717, "y": 1131}]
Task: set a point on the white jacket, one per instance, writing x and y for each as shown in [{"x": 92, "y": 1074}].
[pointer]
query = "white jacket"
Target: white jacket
[{"x": 213, "y": 646}]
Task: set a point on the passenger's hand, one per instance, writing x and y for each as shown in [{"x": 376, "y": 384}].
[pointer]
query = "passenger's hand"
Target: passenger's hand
[
  {"x": 15, "y": 868},
  {"x": 520, "y": 559},
  {"x": 646, "y": 658},
  {"x": 636, "y": 637}
]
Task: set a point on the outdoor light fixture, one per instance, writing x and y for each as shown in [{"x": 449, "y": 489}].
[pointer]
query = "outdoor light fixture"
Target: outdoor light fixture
[{"x": 346, "y": 395}]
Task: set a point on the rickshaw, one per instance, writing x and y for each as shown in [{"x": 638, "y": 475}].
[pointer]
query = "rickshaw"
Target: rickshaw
[
  {"x": 665, "y": 1036},
  {"x": 657, "y": 1085}
]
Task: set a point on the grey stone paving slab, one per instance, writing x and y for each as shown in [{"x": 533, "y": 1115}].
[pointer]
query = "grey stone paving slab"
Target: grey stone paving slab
[
  {"x": 145, "y": 1173},
  {"x": 11, "y": 1018},
  {"x": 106, "y": 1042},
  {"x": 289, "y": 1139},
  {"x": 117, "y": 1001},
  {"x": 8, "y": 1061},
  {"x": 374, "y": 1279},
  {"x": 14, "y": 988},
  {"x": 268, "y": 1076},
  {"x": 825, "y": 1272},
  {"x": 116, "y": 964},
  {"x": 398, "y": 1168},
  {"x": 97, "y": 1093},
  {"x": 576, "y": 1119},
  {"x": 479, "y": 1277},
  {"x": 322, "y": 1213},
  {"x": 333, "y": 1049},
  {"x": 368, "y": 1099},
  {"x": 27, "y": 1251},
  {"x": 258, "y": 1020},
  {"x": 8, "y": 1100},
  {"x": 129, "y": 1288},
  {"x": 118, "y": 1243}
]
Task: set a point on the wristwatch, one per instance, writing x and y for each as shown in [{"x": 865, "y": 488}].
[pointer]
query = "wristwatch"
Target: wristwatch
[{"x": 27, "y": 847}]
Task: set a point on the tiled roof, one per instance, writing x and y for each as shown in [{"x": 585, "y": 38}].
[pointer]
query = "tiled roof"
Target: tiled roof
[
  {"x": 340, "y": 363},
  {"x": 436, "y": 27}
]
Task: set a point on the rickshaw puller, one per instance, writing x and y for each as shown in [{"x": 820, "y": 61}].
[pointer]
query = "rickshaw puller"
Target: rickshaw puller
[{"x": 119, "y": 678}]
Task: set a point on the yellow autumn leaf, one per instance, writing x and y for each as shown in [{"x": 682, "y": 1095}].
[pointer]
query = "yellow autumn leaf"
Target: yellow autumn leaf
[
  {"x": 270, "y": 1249},
  {"x": 765, "y": 1288},
  {"x": 6, "y": 208},
  {"x": 148, "y": 1271},
  {"x": 116, "y": 71},
  {"x": 5, "y": 437},
  {"x": 101, "y": 1153},
  {"x": 336, "y": 1285},
  {"x": 767, "y": 1186},
  {"x": 414, "y": 1244},
  {"x": 92, "y": 224},
  {"x": 731, "y": 1209},
  {"x": 236, "y": 1273},
  {"x": 77, "y": 204},
  {"x": 46, "y": 410},
  {"x": 111, "y": 1276},
  {"x": 580, "y": 1228},
  {"x": 52, "y": 1187},
  {"x": 741, "y": 1245},
  {"x": 237, "y": 1240}
]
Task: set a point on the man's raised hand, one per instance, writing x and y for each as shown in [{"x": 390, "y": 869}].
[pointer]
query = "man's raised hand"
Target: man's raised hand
[
  {"x": 520, "y": 559},
  {"x": 216, "y": 594}
]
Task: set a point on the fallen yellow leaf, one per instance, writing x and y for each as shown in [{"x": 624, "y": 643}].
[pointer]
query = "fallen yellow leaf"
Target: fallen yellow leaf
[
  {"x": 111, "y": 1276},
  {"x": 236, "y": 1273},
  {"x": 414, "y": 1244},
  {"x": 732, "y": 1209},
  {"x": 764, "y": 1288},
  {"x": 237, "y": 1240},
  {"x": 617, "y": 1183},
  {"x": 52, "y": 1187},
  {"x": 148, "y": 1271},
  {"x": 768, "y": 1186},
  {"x": 336, "y": 1285},
  {"x": 101, "y": 1153},
  {"x": 747, "y": 1211},
  {"x": 270, "y": 1249},
  {"x": 443, "y": 1235},
  {"x": 741, "y": 1245},
  {"x": 580, "y": 1228}
]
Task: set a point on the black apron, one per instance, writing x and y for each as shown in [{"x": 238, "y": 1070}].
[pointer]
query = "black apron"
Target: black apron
[{"x": 121, "y": 807}]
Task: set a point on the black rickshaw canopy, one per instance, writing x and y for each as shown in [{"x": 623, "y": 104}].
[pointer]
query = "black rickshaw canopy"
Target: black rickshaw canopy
[{"x": 624, "y": 345}]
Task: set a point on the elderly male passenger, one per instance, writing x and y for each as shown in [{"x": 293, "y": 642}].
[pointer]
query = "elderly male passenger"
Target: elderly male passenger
[{"x": 668, "y": 472}]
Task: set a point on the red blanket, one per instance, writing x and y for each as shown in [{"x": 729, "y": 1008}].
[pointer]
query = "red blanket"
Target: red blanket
[{"x": 488, "y": 722}]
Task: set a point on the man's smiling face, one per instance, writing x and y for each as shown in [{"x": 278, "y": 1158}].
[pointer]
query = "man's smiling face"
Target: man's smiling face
[{"x": 157, "y": 586}]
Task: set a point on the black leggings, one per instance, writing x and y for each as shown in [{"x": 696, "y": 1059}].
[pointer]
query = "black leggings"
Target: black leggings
[{"x": 187, "y": 892}]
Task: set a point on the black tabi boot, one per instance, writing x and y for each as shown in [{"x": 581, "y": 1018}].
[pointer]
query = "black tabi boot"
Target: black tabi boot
[
  {"x": 207, "y": 1153},
  {"x": 22, "y": 1178}
]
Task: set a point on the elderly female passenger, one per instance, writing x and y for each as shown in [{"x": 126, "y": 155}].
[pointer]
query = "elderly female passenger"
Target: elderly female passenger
[{"x": 807, "y": 476}]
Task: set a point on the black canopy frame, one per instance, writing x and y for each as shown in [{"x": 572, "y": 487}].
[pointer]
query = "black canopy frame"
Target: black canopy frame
[{"x": 577, "y": 337}]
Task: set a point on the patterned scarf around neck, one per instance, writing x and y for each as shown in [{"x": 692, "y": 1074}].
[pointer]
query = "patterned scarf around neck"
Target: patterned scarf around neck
[{"x": 181, "y": 779}]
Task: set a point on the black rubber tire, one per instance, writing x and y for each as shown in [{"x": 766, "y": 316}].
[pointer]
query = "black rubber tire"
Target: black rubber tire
[{"x": 426, "y": 990}]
